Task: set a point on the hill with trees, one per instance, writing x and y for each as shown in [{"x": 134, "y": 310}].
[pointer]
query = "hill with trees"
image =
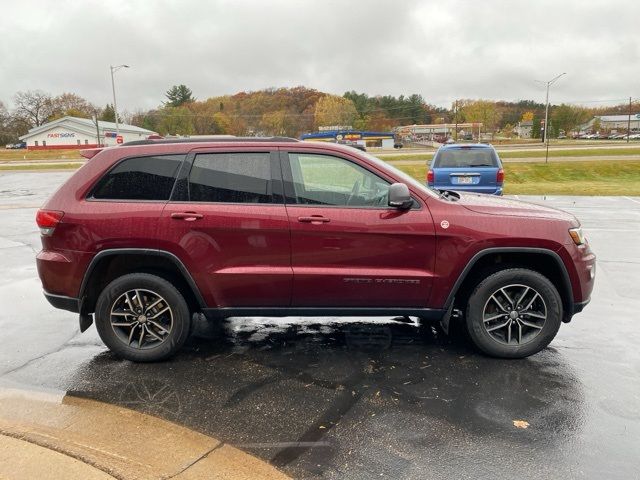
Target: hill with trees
[{"x": 291, "y": 112}]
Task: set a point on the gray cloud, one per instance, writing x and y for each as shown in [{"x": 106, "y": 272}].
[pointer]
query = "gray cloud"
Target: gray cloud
[{"x": 442, "y": 50}]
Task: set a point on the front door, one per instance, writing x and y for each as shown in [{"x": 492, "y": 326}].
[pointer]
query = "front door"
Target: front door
[
  {"x": 349, "y": 248},
  {"x": 228, "y": 223}
]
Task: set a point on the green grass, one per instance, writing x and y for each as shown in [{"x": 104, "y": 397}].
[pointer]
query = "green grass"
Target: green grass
[
  {"x": 23, "y": 154},
  {"x": 36, "y": 166},
  {"x": 572, "y": 178},
  {"x": 586, "y": 152}
]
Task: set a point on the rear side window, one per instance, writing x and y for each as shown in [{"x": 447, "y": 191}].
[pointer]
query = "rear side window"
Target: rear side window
[
  {"x": 466, "y": 157},
  {"x": 231, "y": 178},
  {"x": 139, "y": 178}
]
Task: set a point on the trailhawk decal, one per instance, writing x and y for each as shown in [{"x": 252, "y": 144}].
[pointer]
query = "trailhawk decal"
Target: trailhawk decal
[{"x": 401, "y": 281}]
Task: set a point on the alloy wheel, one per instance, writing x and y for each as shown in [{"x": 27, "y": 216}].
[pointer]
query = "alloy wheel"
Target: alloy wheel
[
  {"x": 141, "y": 318},
  {"x": 514, "y": 314}
]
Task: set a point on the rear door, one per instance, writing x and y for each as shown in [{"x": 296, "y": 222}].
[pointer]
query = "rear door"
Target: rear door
[
  {"x": 349, "y": 249},
  {"x": 124, "y": 205},
  {"x": 228, "y": 223}
]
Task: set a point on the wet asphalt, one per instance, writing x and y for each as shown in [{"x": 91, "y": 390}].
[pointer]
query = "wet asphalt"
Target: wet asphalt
[{"x": 361, "y": 398}]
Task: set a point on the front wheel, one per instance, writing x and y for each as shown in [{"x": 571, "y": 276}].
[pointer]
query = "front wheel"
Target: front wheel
[
  {"x": 513, "y": 313},
  {"x": 142, "y": 317}
]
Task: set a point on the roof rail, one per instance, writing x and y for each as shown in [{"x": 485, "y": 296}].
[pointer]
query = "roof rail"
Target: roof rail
[{"x": 209, "y": 140}]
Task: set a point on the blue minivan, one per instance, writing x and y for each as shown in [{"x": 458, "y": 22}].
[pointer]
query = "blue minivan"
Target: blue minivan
[{"x": 466, "y": 168}]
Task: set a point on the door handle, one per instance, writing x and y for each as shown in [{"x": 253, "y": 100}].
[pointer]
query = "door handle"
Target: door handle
[
  {"x": 314, "y": 219},
  {"x": 187, "y": 216}
]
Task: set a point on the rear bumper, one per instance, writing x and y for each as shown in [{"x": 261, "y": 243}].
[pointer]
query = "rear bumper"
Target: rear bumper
[
  {"x": 62, "y": 302},
  {"x": 493, "y": 190}
]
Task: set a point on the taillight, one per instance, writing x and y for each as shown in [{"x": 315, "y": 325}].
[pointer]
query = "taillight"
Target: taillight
[
  {"x": 430, "y": 176},
  {"x": 89, "y": 153},
  {"x": 48, "y": 220},
  {"x": 500, "y": 176}
]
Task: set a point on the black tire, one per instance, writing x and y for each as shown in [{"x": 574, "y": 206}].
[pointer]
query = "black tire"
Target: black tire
[
  {"x": 509, "y": 347},
  {"x": 178, "y": 315}
]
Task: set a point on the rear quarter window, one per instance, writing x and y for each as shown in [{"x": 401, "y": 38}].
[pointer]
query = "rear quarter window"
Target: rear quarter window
[
  {"x": 139, "y": 178},
  {"x": 464, "y": 158}
]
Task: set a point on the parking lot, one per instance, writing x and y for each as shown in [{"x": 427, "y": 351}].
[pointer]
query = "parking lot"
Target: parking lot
[{"x": 360, "y": 398}]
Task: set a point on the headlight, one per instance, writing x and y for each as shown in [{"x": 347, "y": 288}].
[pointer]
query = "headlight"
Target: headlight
[{"x": 577, "y": 235}]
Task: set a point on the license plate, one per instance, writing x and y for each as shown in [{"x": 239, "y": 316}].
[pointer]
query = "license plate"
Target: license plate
[{"x": 465, "y": 180}]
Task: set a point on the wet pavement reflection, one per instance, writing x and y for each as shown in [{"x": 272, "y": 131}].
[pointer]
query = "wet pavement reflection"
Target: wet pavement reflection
[{"x": 346, "y": 397}]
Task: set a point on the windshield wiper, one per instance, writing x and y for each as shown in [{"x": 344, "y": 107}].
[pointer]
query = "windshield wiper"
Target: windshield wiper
[
  {"x": 448, "y": 195},
  {"x": 482, "y": 165}
]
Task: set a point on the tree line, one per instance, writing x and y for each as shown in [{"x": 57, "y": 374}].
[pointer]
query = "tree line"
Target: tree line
[
  {"x": 35, "y": 107},
  {"x": 291, "y": 112}
]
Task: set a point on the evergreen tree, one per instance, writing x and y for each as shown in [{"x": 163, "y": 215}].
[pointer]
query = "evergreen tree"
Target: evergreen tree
[{"x": 178, "y": 95}]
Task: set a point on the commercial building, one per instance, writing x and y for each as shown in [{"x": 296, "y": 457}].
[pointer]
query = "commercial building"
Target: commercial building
[
  {"x": 73, "y": 132},
  {"x": 612, "y": 123},
  {"x": 438, "y": 132},
  {"x": 366, "y": 138}
]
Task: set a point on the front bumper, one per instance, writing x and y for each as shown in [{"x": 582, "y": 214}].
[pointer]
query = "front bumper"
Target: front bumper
[{"x": 579, "y": 306}]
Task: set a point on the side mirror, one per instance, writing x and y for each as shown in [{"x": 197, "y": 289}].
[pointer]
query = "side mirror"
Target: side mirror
[{"x": 399, "y": 196}]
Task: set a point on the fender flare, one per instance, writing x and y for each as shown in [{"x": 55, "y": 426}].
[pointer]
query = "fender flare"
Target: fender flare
[
  {"x": 142, "y": 252},
  {"x": 566, "y": 280}
]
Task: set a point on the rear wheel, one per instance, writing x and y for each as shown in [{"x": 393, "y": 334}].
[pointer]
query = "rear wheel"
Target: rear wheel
[
  {"x": 513, "y": 313},
  {"x": 142, "y": 317}
]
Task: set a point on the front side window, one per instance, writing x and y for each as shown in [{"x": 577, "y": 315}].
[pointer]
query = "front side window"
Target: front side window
[
  {"x": 231, "y": 178},
  {"x": 140, "y": 178},
  {"x": 329, "y": 180}
]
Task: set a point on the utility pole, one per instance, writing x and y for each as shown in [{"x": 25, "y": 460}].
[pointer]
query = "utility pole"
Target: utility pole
[
  {"x": 545, "y": 138},
  {"x": 629, "y": 121},
  {"x": 456, "y": 130},
  {"x": 113, "y": 89},
  {"x": 95, "y": 119}
]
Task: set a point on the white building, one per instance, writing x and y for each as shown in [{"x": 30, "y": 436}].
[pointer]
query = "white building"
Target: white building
[
  {"x": 613, "y": 123},
  {"x": 73, "y": 132}
]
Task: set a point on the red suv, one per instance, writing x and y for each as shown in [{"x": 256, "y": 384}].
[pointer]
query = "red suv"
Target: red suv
[{"x": 149, "y": 233}]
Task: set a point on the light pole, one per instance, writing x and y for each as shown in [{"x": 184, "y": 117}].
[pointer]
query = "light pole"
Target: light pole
[
  {"x": 546, "y": 110},
  {"x": 545, "y": 139},
  {"x": 113, "y": 88}
]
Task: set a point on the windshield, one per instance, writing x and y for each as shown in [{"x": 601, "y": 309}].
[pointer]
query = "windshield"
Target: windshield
[
  {"x": 400, "y": 174},
  {"x": 465, "y": 158}
]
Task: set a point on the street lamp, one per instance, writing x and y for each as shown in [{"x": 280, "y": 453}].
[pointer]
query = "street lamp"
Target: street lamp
[
  {"x": 546, "y": 111},
  {"x": 545, "y": 139},
  {"x": 113, "y": 88}
]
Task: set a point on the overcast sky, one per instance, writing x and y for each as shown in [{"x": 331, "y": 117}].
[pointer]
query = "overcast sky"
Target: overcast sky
[{"x": 443, "y": 50}]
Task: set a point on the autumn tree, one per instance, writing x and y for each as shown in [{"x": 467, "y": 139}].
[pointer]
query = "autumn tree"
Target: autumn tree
[
  {"x": 33, "y": 106},
  {"x": 174, "y": 121},
  {"x": 527, "y": 116},
  {"x": 278, "y": 123},
  {"x": 334, "y": 110},
  {"x": 7, "y": 133},
  {"x": 568, "y": 117},
  {"x": 480, "y": 111},
  {"x": 179, "y": 95},
  {"x": 71, "y": 105}
]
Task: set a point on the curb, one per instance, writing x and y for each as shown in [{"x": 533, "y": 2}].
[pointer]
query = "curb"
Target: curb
[{"x": 107, "y": 440}]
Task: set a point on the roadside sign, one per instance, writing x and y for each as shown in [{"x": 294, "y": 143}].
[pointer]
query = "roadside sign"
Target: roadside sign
[{"x": 119, "y": 139}]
